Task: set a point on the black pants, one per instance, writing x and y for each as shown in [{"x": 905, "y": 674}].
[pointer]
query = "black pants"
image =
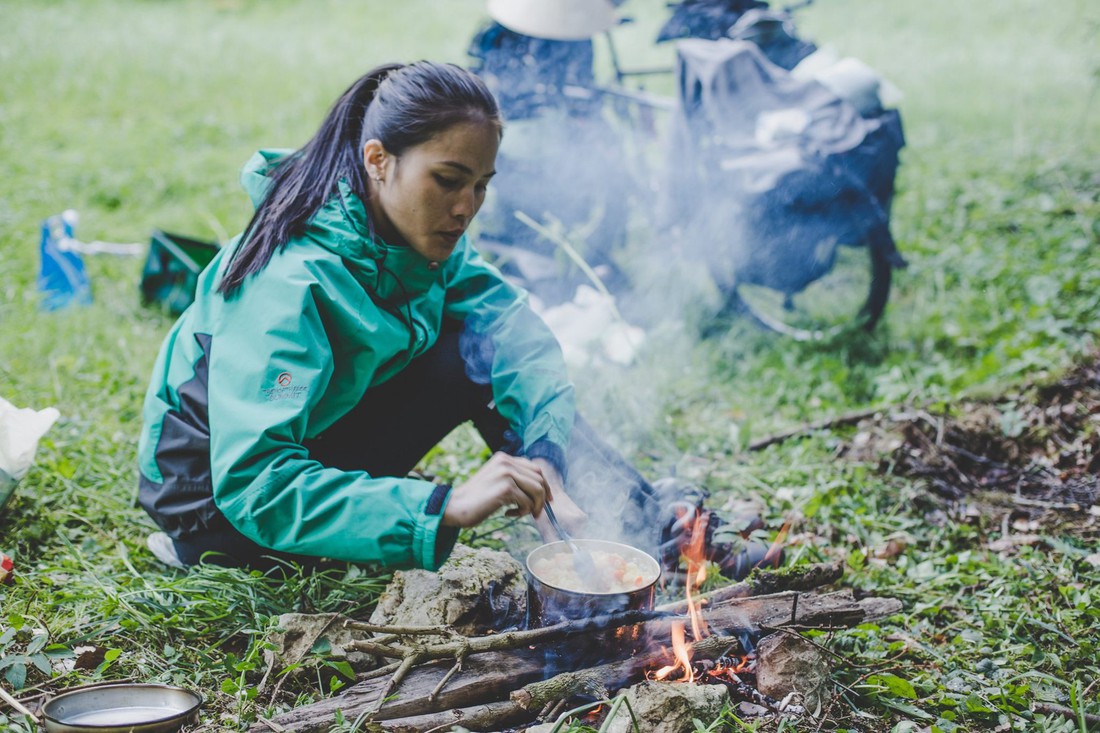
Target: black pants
[{"x": 398, "y": 422}]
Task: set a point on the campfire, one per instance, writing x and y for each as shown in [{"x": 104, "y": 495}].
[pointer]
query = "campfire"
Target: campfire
[
  {"x": 726, "y": 646},
  {"x": 736, "y": 667}
]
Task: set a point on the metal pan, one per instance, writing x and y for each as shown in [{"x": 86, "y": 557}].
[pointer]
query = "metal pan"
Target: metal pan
[
  {"x": 547, "y": 604},
  {"x": 122, "y": 708}
]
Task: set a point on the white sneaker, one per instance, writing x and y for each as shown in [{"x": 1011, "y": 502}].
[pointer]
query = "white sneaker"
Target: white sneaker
[{"x": 161, "y": 545}]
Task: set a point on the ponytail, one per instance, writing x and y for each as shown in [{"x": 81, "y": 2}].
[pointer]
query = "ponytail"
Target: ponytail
[{"x": 304, "y": 180}]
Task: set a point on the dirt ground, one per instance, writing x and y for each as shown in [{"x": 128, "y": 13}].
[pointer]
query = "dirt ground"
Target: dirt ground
[{"x": 1029, "y": 461}]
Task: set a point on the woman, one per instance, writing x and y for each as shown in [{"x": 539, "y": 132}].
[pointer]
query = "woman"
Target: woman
[
  {"x": 321, "y": 358},
  {"x": 347, "y": 330}
]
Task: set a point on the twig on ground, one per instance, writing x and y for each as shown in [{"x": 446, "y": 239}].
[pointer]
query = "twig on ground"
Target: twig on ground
[
  {"x": 1048, "y": 708},
  {"x": 849, "y": 418},
  {"x": 20, "y": 707}
]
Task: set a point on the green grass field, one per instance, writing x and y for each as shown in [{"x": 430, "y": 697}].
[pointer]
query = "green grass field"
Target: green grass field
[{"x": 138, "y": 114}]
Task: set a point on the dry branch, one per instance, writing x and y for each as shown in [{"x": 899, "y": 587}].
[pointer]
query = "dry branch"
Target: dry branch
[{"x": 849, "y": 418}]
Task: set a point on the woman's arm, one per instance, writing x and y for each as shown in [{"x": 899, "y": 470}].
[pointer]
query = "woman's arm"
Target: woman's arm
[{"x": 523, "y": 360}]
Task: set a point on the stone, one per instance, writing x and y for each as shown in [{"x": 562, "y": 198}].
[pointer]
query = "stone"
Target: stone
[
  {"x": 668, "y": 707},
  {"x": 474, "y": 593},
  {"x": 787, "y": 663}
]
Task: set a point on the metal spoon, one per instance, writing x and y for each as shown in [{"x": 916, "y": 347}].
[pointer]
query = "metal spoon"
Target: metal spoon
[{"x": 582, "y": 560}]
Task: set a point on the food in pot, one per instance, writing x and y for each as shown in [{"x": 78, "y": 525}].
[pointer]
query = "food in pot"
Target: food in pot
[{"x": 614, "y": 573}]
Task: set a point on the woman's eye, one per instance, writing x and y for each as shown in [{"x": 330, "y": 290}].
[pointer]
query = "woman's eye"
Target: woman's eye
[{"x": 449, "y": 183}]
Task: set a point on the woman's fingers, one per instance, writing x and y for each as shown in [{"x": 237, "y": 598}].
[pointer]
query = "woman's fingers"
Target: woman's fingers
[
  {"x": 520, "y": 502},
  {"x": 554, "y": 484},
  {"x": 509, "y": 482},
  {"x": 528, "y": 488}
]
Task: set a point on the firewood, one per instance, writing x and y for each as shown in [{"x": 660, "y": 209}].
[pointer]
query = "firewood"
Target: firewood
[
  {"x": 597, "y": 681},
  {"x": 525, "y": 703},
  {"x": 843, "y": 420},
  {"x": 764, "y": 582},
  {"x": 490, "y": 716},
  {"x": 500, "y": 666},
  {"x": 485, "y": 678}
]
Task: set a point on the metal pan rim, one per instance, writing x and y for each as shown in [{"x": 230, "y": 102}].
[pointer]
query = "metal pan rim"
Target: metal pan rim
[{"x": 77, "y": 692}]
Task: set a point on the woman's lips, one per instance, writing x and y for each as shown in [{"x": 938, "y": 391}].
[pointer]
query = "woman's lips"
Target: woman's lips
[{"x": 452, "y": 236}]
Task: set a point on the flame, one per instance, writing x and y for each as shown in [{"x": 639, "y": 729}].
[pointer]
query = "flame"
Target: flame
[
  {"x": 695, "y": 554},
  {"x": 682, "y": 669},
  {"x": 682, "y": 655},
  {"x": 772, "y": 556}
]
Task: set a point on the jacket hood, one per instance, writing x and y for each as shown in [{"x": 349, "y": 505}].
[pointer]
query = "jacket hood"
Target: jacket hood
[{"x": 342, "y": 225}]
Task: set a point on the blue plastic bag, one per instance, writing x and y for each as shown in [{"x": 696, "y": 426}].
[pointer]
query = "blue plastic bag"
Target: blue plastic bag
[{"x": 62, "y": 279}]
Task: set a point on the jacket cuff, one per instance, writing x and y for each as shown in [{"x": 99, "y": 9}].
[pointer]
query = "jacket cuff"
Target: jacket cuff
[
  {"x": 553, "y": 453},
  {"x": 438, "y": 500},
  {"x": 433, "y": 542}
]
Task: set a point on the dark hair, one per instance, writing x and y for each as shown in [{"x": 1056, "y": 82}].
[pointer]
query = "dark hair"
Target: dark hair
[{"x": 400, "y": 105}]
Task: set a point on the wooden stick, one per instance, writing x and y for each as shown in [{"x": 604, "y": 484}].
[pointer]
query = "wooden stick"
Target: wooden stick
[
  {"x": 380, "y": 672},
  {"x": 1047, "y": 708},
  {"x": 399, "y": 675},
  {"x": 512, "y": 639},
  {"x": 400, "y": 630},
  {"x": 848, "y": 418},
  {"x": 18, "y": 705},
  {"x": 446, "y": 678},
  {"x": 490, "y": 716}
]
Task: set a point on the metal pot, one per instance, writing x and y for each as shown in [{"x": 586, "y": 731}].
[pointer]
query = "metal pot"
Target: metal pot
[
  {"x": 122, "y": 708},
  {"x": 548, "y": 604}
]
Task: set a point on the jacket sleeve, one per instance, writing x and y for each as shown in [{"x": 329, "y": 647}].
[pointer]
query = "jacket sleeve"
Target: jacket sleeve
[
  {"x": 270, "y": 364},
  {"x": 524, "y": 362}
]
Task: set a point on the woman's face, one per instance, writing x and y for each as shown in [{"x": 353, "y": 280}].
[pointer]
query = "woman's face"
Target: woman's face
[{"x": 427, "y": 197}]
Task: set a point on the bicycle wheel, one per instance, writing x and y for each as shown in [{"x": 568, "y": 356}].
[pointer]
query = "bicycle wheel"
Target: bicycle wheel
[{"x": 852, "y": 294}]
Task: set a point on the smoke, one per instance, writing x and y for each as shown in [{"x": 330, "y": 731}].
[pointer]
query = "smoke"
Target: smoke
[{"x": 760, "y": 178}]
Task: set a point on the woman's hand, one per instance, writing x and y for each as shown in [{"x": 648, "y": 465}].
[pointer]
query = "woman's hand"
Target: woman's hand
[
  {"x": 504, "y": 481},
  {"x": 570, "y": 516}
]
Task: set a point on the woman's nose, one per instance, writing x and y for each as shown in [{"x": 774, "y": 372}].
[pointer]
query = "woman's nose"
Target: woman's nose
[{"x": 466, "y": 205}]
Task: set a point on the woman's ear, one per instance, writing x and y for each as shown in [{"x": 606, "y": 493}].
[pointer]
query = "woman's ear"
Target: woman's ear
[{"x": 374, "y": 159}]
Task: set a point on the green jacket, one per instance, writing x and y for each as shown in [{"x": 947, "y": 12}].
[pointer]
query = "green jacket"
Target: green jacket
[{"x": 240, "y": 383}]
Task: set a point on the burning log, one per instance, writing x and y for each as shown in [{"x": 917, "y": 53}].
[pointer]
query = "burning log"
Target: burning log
[
  {"x": 596, "y": 682},
  {"x": 763, "y": 582},
  {"x": 484, "y": 670}
]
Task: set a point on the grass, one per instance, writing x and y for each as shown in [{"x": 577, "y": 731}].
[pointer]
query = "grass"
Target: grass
[{"x": 138, "y": 115}]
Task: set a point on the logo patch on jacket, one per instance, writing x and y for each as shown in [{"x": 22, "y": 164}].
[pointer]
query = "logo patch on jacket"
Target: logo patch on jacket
[{"x": 284, "y": 388}]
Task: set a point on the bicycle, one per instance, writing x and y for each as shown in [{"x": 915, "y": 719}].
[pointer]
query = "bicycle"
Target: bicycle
[{"x": 798, "y": 236}]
